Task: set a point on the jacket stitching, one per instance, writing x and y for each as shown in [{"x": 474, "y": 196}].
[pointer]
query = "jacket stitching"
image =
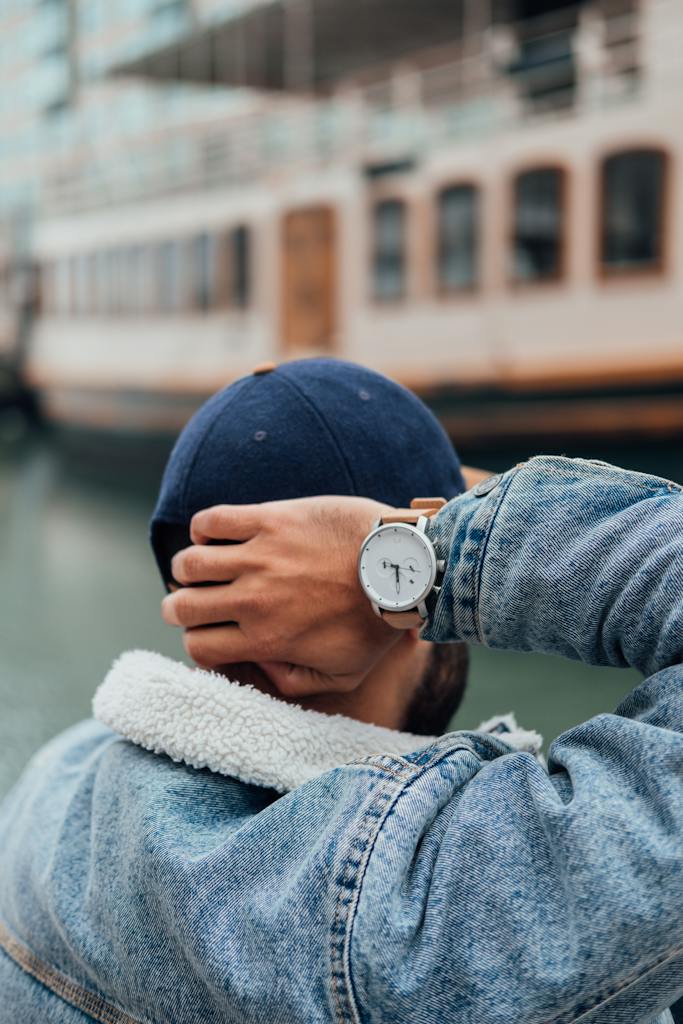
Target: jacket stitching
[
  {"x": 603, "y": 1000},
  {"x": 355, "y": 867},
  {"x": 487, "y": 526},
  {"x": 61, "y": 985},
  {"x": 352, "y": 870},
  {"x": 647, "y": 480}
]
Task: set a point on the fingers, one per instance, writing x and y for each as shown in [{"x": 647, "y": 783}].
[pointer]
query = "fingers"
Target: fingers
[
  {"x": 208, "y": 564},
  {"x": 226, "y": 522},
  {"x": 212, "y": 646},
  {"x": 199, "y": 606}
]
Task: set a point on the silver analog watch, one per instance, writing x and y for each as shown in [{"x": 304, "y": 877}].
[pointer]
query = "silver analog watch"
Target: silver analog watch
[{"x": 397, "y": 566}]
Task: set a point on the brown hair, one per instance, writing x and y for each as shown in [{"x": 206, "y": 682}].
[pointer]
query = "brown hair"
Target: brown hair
[{"x": 440, "y": 692}]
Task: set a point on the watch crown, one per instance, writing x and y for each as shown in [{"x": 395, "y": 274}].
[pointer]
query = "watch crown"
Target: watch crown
[{"x": 441, "y": 565}]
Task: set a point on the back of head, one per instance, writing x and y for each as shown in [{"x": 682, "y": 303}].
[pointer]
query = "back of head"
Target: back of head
[
  {"x": 306, "y": 428},
  {"x": 309, "y": 427}
]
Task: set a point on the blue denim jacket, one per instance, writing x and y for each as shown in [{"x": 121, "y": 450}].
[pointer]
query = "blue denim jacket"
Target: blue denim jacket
[{"x": 462, "y": 882}]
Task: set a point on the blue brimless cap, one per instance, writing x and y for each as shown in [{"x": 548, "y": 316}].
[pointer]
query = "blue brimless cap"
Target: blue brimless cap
[{"x": 314, "y": 426}]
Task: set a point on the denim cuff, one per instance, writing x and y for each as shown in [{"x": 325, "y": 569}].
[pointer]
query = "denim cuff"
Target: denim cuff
[
  {"x": 564, "y": 556},
  {"x": 459, "y": 534}
]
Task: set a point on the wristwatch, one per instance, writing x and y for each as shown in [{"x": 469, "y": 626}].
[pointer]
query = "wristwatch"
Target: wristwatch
[{"x": 397, "y": 566}]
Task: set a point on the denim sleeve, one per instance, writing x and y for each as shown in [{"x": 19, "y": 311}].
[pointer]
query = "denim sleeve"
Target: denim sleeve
[
  {"x": 565, "y": 556},
  {"x": 531, "y": 895},
  {"x": 499, "y": 892}
]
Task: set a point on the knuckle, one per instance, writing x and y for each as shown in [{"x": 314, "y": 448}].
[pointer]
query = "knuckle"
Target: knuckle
[
  {"x": 254, "y": 602},
  {"x": 192, "y": 564},
  {"x": 195, "y": 647},
  {"x": 183, "y": 602}
]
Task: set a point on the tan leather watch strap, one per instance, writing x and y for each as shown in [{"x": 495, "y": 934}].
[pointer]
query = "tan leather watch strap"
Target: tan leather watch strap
[
  {"x": 418, "y": 507},
  {"x": 403, "y": 620}
]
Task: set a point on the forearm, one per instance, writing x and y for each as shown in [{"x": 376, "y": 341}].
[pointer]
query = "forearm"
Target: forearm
[{"x": 566, "y": 557}]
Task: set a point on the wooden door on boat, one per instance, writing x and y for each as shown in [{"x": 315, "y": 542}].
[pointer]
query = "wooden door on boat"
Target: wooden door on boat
[{"x": 309, "y": 275}]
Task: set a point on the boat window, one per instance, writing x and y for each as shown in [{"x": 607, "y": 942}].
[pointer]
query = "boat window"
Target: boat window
[
  {"x": 63, "y": 286},
  {"x": 632, "y": 230},
  {"x": 203, "y": 271},
  {"x": 458, "y": 238},
  {"x": 240, "y": 260},
  {"x": 538, "y": 238},
  {"x": 116, "y": 289},
  {"x": 48, "y": 297},
  {"x": 100, "y": 297},
  {"x": 389, "y": 258},
  {"x": 170, "y": 276},
  {"x": 133, "y": 271}
]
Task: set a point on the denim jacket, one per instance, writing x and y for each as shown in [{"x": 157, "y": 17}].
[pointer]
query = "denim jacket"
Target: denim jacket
[{"x": 389, "y": 880}]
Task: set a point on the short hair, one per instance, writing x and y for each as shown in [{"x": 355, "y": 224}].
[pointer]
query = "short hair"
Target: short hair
[{"x": 440, "y": 691}]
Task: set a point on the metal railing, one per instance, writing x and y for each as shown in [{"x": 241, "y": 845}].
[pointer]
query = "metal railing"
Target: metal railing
[{"x": 564, "y": 65}]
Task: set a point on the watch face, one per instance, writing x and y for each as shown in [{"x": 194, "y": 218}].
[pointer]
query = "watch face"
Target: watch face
[{"x": 397, "y": 566}]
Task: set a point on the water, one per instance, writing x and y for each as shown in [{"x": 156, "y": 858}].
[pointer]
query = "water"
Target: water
[{"x": 78, "y": 586}]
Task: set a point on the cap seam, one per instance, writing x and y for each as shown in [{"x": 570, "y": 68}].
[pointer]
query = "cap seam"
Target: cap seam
[
  {"x": 200, "y": 445},
  {"x": 326, "y": 427}
]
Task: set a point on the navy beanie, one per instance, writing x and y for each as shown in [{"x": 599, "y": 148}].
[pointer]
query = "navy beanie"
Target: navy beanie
[{"x": 314, "y": 426}]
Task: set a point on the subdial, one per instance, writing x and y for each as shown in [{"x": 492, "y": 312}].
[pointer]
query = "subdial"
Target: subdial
[{"x": 410, "y": 568}]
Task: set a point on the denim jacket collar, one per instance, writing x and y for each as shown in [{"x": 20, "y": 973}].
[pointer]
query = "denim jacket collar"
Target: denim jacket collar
[{"x": 207, "y": 721}]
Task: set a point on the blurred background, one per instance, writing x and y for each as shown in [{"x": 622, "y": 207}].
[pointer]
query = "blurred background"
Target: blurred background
[{"x": 481, "y": 198}]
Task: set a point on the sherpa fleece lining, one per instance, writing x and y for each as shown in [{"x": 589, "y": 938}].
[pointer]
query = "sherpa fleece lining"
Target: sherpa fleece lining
[{"x": 207, "y": 721}]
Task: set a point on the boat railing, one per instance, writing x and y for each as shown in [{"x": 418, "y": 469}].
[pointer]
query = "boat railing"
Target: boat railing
[{"x": 570, "y": 64}]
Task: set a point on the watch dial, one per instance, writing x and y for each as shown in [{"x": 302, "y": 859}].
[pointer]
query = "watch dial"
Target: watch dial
[{"x": 397, "y": 567}]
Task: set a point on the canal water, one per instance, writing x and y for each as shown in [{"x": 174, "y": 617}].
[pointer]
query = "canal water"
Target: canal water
[{"x": 78, "y": 586}]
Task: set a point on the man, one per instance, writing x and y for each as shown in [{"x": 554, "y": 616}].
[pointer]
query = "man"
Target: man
[
  {"x": 476, "y": 886},
  {"x": 138, "y": 887},
  {"x": 307, "y": 428}
]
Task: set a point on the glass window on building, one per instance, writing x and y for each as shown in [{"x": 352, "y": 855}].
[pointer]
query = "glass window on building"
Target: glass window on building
[
  {"x": 633, "y": 191},
  {"x": 458, "y": 238},
  {"x": 538, "y": 238},
  {"x": 388, "y": 253}
]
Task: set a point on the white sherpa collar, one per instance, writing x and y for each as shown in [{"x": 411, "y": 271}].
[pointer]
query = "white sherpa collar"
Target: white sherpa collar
[{"x": 207, "y": 721}]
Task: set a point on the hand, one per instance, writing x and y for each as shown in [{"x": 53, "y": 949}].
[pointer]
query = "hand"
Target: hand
[{"x": 287, "y": 597}]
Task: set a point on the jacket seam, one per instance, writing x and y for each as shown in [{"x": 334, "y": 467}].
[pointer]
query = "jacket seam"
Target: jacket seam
[
  {"x": 647, "y": 480},
  {"x": 603, "y": 1000},
  {"x": 352, "y": 876},
  {"x": 479, "y": 570},
  {"x": 65, "y": 988}
]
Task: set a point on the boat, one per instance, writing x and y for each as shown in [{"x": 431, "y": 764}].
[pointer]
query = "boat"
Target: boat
[{"x": 484, "y": 201}]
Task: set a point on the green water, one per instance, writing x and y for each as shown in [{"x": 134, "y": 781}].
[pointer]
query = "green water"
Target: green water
[{"x": 78, "y": 586}]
